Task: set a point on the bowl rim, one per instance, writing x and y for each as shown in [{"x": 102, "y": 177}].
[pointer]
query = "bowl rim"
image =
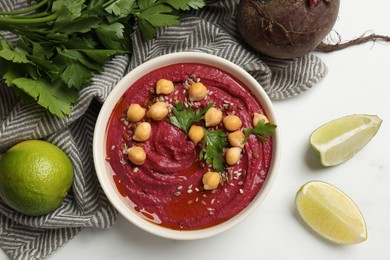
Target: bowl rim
[{"x": 99, "y": 148}]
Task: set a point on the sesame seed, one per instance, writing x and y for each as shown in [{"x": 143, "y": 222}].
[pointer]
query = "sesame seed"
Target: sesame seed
[
  {"x": 177, "y": 193},
  {"x": 180, "y": 187},
  {"x": 189, "y": 202},
  {"x": 203, "y": 202},
  {"x": 112, "y": 147},
  {"x": 122, "y": 161},
  {"x": 212, "y": 201},
  {"x": 136, "y": 169},
  {"x": 225, "y": 190},
  {"x": 197, "y": 189},
  {"x": 241, "y": 191},
  {"x": 240, "y": 183},
  {"x": 189, "y": 191}
]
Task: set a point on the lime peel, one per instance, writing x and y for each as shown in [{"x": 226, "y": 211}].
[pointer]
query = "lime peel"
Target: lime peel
[
  {"x": 330, "y": 213},
  {"x": 35, "y": 177},
  {"x": 340, "y": 139}
]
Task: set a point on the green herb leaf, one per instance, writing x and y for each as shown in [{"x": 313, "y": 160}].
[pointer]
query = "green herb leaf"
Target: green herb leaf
[
  {"x": 183, "y": 118},
  {"x": 148, "y": 31},
  {"x": 159, "y": 15},
  {"x": 261, "y": 130},
  {"x": 143, "y": 4},
  {"x": 112, "y": 36},
  {"x": 185, "y": 5},
  {"x": 54, "y": 97},
  {"x": 16, "y": 55},
  {"x": 214, "y": 142},
  {"x": 121, "y": 8},
  {"x": 67, "y": 10}
]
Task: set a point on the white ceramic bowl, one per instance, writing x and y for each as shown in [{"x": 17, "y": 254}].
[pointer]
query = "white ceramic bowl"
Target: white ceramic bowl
[{"x": 104, "y": 171}]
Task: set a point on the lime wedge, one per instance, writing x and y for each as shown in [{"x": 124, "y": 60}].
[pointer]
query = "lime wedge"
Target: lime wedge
[
  {"x": 330, "y": 213},
  {"x": 340, "y": 139}
]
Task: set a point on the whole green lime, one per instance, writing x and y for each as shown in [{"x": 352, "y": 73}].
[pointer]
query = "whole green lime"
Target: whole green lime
[{"x": 35, "y": 177}]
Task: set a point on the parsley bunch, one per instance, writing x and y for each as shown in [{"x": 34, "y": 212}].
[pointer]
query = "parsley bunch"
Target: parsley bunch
[{"x": 63, "y": 43}]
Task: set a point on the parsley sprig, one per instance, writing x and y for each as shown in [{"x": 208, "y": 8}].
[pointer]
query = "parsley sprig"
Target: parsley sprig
[
  {"x": 183, "y": 117},
  {"x": 63, "y": 43},
  {"x": 261, "y": 130},
  {"x": 214, "y": 143}
]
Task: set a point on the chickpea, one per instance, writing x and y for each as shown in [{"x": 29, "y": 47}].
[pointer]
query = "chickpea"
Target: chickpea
[
  {"x": 236, "y": 139},
  {"x": 233, "y": 155},
  {"x": 257, "y": 117},
  {"x": 232, "y": 122},
  {"x": 136, "y": 155},
  {"x": 158, "y": 111},
  {"x": 197, "y": 91},
  {"x": 211, "y": 180},
  {"x": 213, "y": 117},
  {"x": 142, "y": 132},
  {"x": 164, "y": 86},
  {"x": 196, "y": 133},
  {"x": 135, "y": 113}
]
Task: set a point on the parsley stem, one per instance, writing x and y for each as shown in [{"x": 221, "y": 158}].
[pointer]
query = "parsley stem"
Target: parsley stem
[
  {"x": 30, "y": 16},
  {"x": 30, "y": 21},
  {"x": 26, "y": 10}
]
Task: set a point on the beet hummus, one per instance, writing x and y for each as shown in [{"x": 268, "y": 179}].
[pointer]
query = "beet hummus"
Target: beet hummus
[{"x": 167, "y": 188}]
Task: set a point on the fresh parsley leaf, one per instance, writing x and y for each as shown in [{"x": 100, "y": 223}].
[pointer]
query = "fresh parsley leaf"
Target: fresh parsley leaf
[
  {"x": 148, "y": 31},
  {"x": 67, "y": 10},
  {"x": 143, "y": 4},
  {"x": 214, "y": 143},
  {"x": 185, "y": 5},
  {"x": 79, "y": 25},
  {"x": 261, "y": 130},
  {"x": 157, "y": 16},
  {"x": 50, "y": 96},
  {"x": 47, "y": 66},
  {"x": 16, "y": 55},
  {"x": 112, "y": 36},
  {"x": 101, "y": 56},
  {"x": 183, "y": 117},
  {"x": 121, "y": 8},
  {"x": 76, "y": 75}
]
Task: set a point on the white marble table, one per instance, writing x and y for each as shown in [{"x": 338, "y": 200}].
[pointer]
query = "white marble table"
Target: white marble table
[{"x": 358, "y": 81}]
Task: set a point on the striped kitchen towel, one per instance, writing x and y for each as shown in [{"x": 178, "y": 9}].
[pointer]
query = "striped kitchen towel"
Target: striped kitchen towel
[{"x": 211, "y": 30}]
